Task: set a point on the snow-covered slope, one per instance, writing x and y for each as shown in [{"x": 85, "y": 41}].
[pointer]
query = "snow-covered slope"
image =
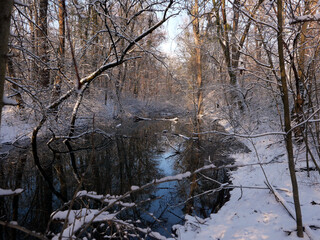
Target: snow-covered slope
[
  {"x": 253, "y": 213},
  {"x": 13, "y": 127}
]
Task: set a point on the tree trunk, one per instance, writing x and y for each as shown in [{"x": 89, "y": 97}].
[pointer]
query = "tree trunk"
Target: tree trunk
[
  {"x": 43, "y": 43},
  {"x": 197, "y": 41},
  {"x": 232, "y": 46},
  {"x": 61, "y": 50},
  {"x": 287, "y": 120},
  {"x": 15, "y": 88},
  {"x": 5, "y": 15}
]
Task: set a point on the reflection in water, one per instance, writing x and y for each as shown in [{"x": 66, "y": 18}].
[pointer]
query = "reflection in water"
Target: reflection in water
[{"x": 136, "y": 155}]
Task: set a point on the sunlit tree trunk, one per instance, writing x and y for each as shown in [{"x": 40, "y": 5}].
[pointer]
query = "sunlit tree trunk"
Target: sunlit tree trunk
[
  {"x": 302, "y": 59},
  {"x": 197, "y": 41},
  {"x": 5, "y": 15},
  {"x": 95, "y": 26},
  {"x": 287, "y": 120},
  {"x": 33, "y": 18},
  {"x": 61, "y": 50}
]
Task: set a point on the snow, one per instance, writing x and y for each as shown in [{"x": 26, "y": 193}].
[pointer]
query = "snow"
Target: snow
[
  {"x": 9, "y": 101},
  {"x": 174, "y": 178},
  {"x": 134, "y": 188},
  {"x": 17, "y": 2},
  {"x": 8, "y": 192},
  {"x": 304, "y": 18},
  {"x": 12, "y": 128},
  {"x": 250, "y": 214},
  {"x": 152, "y": 234},
  {"x": 255, "y": 214},
  {"x": 78, "y": 219}
]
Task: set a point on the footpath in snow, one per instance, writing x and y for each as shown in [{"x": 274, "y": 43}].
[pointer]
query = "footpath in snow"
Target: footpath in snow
[{"x": 253, "y": 213}]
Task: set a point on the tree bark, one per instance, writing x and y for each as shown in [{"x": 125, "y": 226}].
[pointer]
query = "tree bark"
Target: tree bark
[
  {"x": 197, "y": 41},
  {"x": 61, "y": 50},
  {"x": 5, "y": 15},
  {"x": 15, "y": 88},
  {"x": 287, "y": 120},
  {"x": 232, "y": 46},
  {"x": 44, "y": 73}
]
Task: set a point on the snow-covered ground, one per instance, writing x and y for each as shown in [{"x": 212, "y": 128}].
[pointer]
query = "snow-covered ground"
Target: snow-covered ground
[
  {"x": 13, "y": 127},
  {"x": 254, "y": 214}
]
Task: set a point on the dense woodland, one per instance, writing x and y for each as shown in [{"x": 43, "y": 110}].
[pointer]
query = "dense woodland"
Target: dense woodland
[{"x": 63, "y": 61}]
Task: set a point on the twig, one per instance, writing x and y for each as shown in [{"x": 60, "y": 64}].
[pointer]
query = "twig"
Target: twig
[
  {"x": 241, "y": 193},
  {"x": 37, "y": 159},
  {"x": 22, "y": 229},
  {"x": 241, "y": 135}
]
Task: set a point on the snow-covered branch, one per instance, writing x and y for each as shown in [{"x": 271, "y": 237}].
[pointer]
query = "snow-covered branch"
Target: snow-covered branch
[
  {"x": 19, "y": 3},
  {"x": 305, "y": 18},
  {"x": 9, "y": 192},
  {"x": 9, "y": 101},
  {"x": 241, "y": 135}
]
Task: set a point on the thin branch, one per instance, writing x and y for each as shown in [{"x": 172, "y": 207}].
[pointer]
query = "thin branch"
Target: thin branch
[
  {"x": 23, "y": 229},
  {"x": 242, "y": 135}
]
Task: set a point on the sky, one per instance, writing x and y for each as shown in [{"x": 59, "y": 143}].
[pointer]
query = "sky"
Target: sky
[{"x": 173, "y": 28}]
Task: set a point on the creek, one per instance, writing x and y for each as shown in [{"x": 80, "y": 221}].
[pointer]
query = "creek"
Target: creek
[{"x": 134, "y": 154}]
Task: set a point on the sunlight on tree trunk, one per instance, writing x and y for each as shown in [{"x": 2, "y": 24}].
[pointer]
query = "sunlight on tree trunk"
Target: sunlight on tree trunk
[
  {"x": 61, "y": 50},
  {"x": 197, "y": 41}
]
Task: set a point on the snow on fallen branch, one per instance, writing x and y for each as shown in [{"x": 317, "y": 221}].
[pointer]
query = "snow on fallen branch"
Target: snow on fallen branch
[
  {"x": 138, "y": 119},
  {"x": 9, "y": 101},
  {"x": 241, "y": 135},
  {"x": 108, "y": 199},
  {"x": 9, "y": 192},
  {"x": 99, "y": 215},
  {"x": 185, "y": 137},
  {"x": 76, "y": 219},
  {"x": 230, "y": 166},
  {"x": 79, "y": 220}
]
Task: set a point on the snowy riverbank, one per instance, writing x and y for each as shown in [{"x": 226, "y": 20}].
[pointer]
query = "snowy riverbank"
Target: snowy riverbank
[
  {"x": 253, "y": 213},
  {"x": 12, "y": 127}
]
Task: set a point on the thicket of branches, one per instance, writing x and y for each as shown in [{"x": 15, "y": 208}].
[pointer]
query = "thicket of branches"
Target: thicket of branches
[
  {"x": 242, "y": 58},
  {"x": 250, "y": 60}
]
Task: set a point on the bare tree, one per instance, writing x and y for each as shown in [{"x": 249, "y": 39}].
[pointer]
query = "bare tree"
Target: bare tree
[
  {"x": 197, "y": 57},
  {"x": 232, "y": 40},
  {"x": 287, "y": 120},
  {"x": 5, "y": 16},
  {"x": 42, "y": 38},
  {"x": 61, "y": 50}
]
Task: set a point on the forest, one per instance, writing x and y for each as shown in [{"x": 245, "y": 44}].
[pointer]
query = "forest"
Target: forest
[{"x": 159, "y": 119}]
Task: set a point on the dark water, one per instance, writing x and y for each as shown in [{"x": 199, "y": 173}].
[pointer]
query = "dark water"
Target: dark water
[{"x": 135, "y": 154}]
